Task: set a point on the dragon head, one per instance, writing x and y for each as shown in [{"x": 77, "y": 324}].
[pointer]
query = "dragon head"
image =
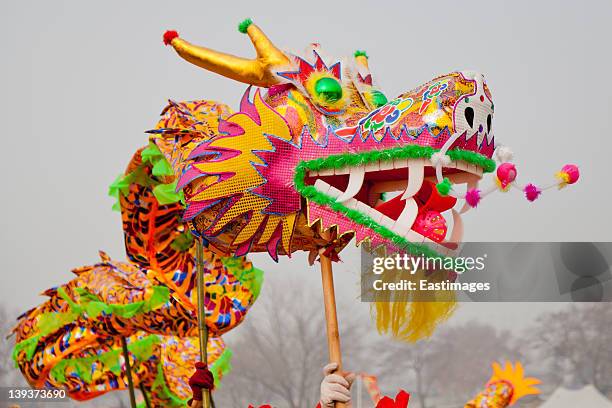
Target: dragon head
[
  {"x": 318, "y": 155},
  {"x": 322, "y": 156}
]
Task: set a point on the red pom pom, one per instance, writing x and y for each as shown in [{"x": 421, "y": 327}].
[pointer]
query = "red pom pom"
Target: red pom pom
[
  {"x": 201, "y": 379},
  {"x": 169, "y": 36}
]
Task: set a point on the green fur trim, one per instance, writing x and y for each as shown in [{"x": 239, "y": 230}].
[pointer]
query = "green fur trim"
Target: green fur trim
[
  {"x": 360, "y": 53},
  {"x": 487, "y": 165},
  {"x": 221, "y": 365},
  {"x": 358, "y": 159},
  {"x": 404, "y": 152},
  {"x": 244, "y": 25}
]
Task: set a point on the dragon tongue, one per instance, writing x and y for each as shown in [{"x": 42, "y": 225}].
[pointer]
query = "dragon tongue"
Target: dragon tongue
[
  {"x": 392, "y": 208},
  {"x": 431, "y": 199}
]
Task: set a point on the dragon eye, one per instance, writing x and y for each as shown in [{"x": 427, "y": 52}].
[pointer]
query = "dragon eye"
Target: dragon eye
[
  {"x": 489, "y": 123},
  {"x": 328, "y": 89},
  {"x": 378, "y": 98}
]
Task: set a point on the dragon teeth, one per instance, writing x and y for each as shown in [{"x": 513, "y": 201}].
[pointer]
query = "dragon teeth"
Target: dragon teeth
[
  {"x": 372, "y": 166},
  {"x": 416, "y": 172},
  {"x": 326, "y": 172},
  {"x": 322, "y": 186},
  {"x": 404, "y": 222},
  {"x": 356, "y": 178},
  {"x": 386, "y": 165}
]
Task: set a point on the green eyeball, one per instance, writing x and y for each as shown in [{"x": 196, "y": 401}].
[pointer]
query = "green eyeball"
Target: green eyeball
[
  {"x": 328, "y": 89},
  {"x": 378, "y": 98}
]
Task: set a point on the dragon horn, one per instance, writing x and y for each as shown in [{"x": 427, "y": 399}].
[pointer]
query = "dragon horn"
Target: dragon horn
[{"x": 257, "y": 71}]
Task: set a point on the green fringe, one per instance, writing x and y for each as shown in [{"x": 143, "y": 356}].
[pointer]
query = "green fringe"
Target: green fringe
[
  {"x": 151, "y": 153},
  {"x": 141, "y": 349},
  {"x": 251, "y": 278},
  {"x": 159, "y": 385},
  {"x": 91, "y": 305},
  {"x": 360, "y": 53},
  {"x": 244, "y": 25},
  {"x": 160, "y": 167},
  {"x": 182, "y": 242},
  {"x": 29, "y": 345},
  {"x": 223, "y": 364},
  {"x": 166, "y": 194}
]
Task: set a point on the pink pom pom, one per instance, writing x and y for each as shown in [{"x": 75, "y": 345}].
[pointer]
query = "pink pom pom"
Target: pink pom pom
[
  {"x": 472, "y": 197},
  {"x": 506, "y": 174},
  {"x": 532, "y": 192},
  {"x": 571, "y": 173}
]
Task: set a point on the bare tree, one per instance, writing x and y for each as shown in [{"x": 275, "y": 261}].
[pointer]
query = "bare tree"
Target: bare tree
[
  {"x": 281, "y": 348},
  {"x": 9, "y": 375},
  {"x": 452, "y": 365},
  {"x": 577, "y": 344}
]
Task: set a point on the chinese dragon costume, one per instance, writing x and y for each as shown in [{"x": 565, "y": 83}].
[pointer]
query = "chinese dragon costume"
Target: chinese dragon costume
[{"x": 314, "y": 157}]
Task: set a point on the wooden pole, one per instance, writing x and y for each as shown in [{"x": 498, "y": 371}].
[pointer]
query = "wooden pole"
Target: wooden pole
[
  {"x": 128, "y": 372},
  {"x": 145, "y": 396},
  {"x": 202, "y": 329},
  {"x": 331, "y": 318}
]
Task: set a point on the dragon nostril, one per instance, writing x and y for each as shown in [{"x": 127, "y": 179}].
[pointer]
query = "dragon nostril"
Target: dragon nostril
[
  {"x": 489, "y": 123},
  {"x": 469, "y": 116}
]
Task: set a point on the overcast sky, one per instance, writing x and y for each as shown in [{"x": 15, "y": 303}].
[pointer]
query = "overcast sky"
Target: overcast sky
[{"x": 81, "y": 81}]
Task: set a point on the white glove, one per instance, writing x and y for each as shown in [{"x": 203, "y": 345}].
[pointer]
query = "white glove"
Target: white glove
[{"x": 334, "y": 387}]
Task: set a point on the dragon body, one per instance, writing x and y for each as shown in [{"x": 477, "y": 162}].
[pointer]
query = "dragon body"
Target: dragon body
[{"x": 73, "y": 340}]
